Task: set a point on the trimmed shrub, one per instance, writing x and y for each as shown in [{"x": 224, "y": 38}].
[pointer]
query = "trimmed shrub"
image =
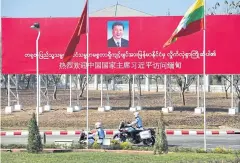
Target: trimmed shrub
[
  {"x": 13, "y": 146},
  {"x": 34, "y": 137},
  {"x": 96, "y": 145},
  {"x": 115, "y": 144},
  {"x": 126, "y": 145},
  {"x": 221, "y": 150},
  {"x": 161, "y": 145}
]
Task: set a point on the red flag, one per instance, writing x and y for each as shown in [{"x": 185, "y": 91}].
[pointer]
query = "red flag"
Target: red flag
[{"x": 80, "y": 29}]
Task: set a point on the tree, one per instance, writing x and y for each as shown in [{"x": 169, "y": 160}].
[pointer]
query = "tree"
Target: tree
[
  {"x": 161, "y": 145},
  {"x": 27, "y": 78},
  {"x": 139, "y": 79},
  {"x": 130, "y": 81},
  {"x": 225, "y": 8},
  {"x": 56, "y": 79},
  {"x": 226, "y": 79},
  {"x": 236, "y": 84},
  {"x": 82, "y": 81},
  {"x": 34, "y": 137},
  {"x": 184, "y": 83},
  {"x": 157, "y": 78},
  {"x": 4, "y": 80}
]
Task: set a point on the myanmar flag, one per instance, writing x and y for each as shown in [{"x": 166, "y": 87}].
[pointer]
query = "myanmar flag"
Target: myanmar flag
[{"x": 192, "y": 22}]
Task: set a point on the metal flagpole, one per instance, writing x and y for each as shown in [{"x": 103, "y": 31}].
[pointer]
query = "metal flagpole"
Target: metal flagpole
[
  {"x": 232, "y": 92},
  {"x": 204, "y": 75},
  {"x": 37, "y": 68},
  {"x": 87, "y": 33},
  {"x": 70, "y": 85},
  {"x": 133, "y": 89},
  {"x": 9, "y": 103},
  {"x": 198, "y": 93},
  {"x": 165, "y": 89},
  {"x": 17, "y": 89},
  {"x": 101, "y": 90},
  {"x": 39, "y": 90}
]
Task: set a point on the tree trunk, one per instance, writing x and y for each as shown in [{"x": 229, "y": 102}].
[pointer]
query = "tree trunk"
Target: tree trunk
[
  {"x": 28, "y": 82},
  {"x": 130, "y": 92},
  {"x": 238, "y": 105},
  {"x": 183, "y": 98},
  {"x": 82, "y": 91},
  {"x": 5, "y": 82},
  {"x": 226, "y": 87},
  {"x": 46, "y": 91},
  {"x": 140, "y": 88},
  {"x": 67, "y": 78},
  {"x": 196, "y": 87},
  {"x": 55, "y": 93},
  {"x": 156, "y": 85},
  {"x": 226, "y": 93},
  {"x": 83, "y": 85}
]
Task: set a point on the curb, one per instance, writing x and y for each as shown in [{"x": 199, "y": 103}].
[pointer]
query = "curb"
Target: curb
[
  {"x": 44, "y": 150},
  {"x": 81, "y": 150},
  {"x": 112, "y": 132}
]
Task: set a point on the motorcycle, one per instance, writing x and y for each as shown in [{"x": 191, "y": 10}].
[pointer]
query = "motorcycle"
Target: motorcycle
[
  {"x": 83, "y": 138},
  {"x": 146, "y": 136}
]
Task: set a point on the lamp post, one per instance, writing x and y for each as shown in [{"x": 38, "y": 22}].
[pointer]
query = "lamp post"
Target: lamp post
[{"x": 36, "y": 26}]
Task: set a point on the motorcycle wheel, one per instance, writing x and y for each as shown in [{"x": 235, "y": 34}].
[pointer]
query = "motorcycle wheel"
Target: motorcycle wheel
[
  {"x": 119, "y": 138},
  {"x": 149, "y": 142}
]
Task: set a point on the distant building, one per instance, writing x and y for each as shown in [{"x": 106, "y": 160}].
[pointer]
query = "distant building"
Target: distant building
[{"x": 118, "y": 11}]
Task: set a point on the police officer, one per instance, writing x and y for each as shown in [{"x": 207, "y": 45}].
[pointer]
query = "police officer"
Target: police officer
[
  {"x": 100, "y": 132},
  {"x": 138, "y": 123}
]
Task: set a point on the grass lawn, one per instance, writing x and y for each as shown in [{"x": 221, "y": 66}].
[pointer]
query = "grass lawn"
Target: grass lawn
[{"x": 101, "y": 157}]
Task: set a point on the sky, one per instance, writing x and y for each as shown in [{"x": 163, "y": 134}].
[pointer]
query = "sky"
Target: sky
[{"x": 73, "y": 8}]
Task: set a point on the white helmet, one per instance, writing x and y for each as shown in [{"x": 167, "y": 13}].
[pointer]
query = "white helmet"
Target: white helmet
[
  {"x": 98, "y": 124},
  {"x": 136, "y": 114}
]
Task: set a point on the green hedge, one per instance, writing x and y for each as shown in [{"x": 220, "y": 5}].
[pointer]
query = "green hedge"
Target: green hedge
[{"x": 128, "y": 146}]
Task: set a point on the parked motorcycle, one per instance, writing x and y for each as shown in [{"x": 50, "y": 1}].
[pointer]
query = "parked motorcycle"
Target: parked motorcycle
[
  {"x": 83, "y": 138},
  {"x": 147, "y": 135}
]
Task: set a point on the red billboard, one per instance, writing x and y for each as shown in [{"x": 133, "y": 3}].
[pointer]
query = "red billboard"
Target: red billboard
[{"x": 141, "y": 51}]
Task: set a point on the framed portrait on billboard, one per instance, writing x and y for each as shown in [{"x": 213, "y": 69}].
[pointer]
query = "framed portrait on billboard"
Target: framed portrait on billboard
[{"x": 117, "y": 34}]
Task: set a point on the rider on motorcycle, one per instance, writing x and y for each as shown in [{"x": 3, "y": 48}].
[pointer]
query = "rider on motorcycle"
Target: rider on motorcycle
[
  {"x": 100, "y": 132},
  {"x": 138, "y": 123}
]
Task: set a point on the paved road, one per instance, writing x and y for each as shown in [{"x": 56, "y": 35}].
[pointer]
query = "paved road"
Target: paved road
[{"x": 227, "y": 141}]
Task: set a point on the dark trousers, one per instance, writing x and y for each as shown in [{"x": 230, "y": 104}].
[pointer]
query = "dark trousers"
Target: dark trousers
[{"x": 133, "y": 134}]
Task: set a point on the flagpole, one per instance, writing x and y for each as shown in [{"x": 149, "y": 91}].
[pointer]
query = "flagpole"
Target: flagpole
[
  {"x": 70, "y": 85},
  {"x": 232, "y": 92},
  {"x": 165, "y": 91},
  {"x": 204, "y": 75},
  {"x": 198, "y": 85},
  {"x": 87, "y": 33}
]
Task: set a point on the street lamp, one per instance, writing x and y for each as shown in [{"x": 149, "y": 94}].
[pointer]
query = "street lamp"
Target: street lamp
[{"x": 36, "y": 26}]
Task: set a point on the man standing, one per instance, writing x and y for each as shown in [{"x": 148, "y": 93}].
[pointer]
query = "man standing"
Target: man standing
[{"x": 117, "y": 33}]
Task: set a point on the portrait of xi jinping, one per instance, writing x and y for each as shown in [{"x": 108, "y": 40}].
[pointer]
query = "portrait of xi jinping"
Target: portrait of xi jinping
[{"x": 118, "y": 33}]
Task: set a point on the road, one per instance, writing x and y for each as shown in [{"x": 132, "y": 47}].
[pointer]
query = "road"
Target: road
[{"x": 190, "y": 141}]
